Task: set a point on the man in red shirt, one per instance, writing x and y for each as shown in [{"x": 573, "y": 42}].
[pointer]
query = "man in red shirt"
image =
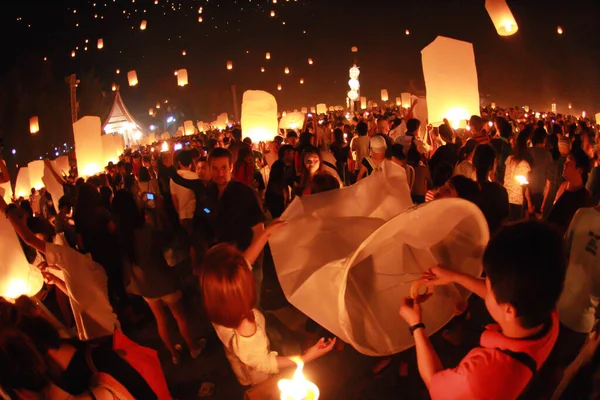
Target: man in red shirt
[{"x": 525, "y": 269}]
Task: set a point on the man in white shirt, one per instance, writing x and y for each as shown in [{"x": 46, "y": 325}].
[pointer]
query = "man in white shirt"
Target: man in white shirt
[
  {"x": 360, "y": 145},
  {"x": 184, "y": 199},
  {"x": 83, "y": 280}
]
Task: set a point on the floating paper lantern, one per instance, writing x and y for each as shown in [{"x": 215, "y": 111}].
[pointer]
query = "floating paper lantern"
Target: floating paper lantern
[
  {"x": 363, "y": 103},
  {"x": 321, "y": 108},
  {"x": 526, "y": 108},
  {"x": 109, "y": 149},
  {"x": 302, "y": 81},
  {"x": 200, "y": 18},
  {"x": 354, "y": 49},
  {"x": 406, "y": 102},
  {"x": 151, "y": 112},
  {"x": 502, "y": 17},
  {"x": 559, "y": 30},
  {"x": 597, "y": 117},
  {"x": 286, "y": 70},
  {"x": 182, "y": 77},
  {"x": 279, "y": 87},
  {"x": 272, "y": 13},
  {"x": 268, "y": 56},
  {"x": 293, "y": 120},
  {"x": 229, "y": 65},
  {"x": 118, "y": 71},
  {"x": 157, "y": 105},
  {"x": 384, "y": 95},
  {"x": 132, "y": 78},
  {"x": 398, "y": 101},
  {"x": 450, "y": 80},
  {"x": 200, "y": 10},
  {"x": 34, "y": 125},
  {"x": 407, "y": 32},
  {"x": 36, "y": 171},
  {"x": 354, "y": 72},
  {"x": 313, "y": 110},
  {"x": 88, "y": 141},
  {"x": 304, "y": 110},
  {"x": 259, "y": 115},
  {"x": 310, "y": 61},
  {"x": 262, "y": 69},
  {"x": 184, "y": 53},
  {"x": 114, "y": 87},
  {"x": 354, "y": 84},
  {"x": 143, "y": 25},
  {"x": 73, "y": 54},
  {"x": 553, "y": 107},
  {"x": 22, "y": 186},
  {"x": 283, "y": 114},
  {"x": 570, "y": 106},
  {"x": 100, "y": 44},
  {"x": 493, "y": 106},
  {"x": 188, "y": 127},
  {"x": 353, "y": 95},
  {"x": 17, "y": 276}
]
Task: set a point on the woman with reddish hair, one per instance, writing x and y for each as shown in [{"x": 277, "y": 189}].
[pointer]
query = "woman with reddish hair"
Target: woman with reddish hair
[{"x": 229, "y": 297}]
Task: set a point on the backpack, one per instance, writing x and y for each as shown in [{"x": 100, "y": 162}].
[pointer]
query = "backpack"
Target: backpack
[{"x": 532, "y": 389}]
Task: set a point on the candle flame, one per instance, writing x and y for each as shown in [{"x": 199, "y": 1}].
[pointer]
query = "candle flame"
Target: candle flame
[
  {"x": 164, "y": 147},
  {"x": 522, "y": 180},
  {"x": 298, "y": 388}
]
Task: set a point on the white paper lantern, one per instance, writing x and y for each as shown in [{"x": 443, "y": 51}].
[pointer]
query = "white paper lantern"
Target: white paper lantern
[
  {"x": 321, "y": 108},
  {"x": 286, "y": 70},
  {"x": 597, "y": 117},
  {"x": 354, "y": 72},
  {"x": 268, "y": 56},
  {"x": 353, "y": 95},
  {"x": 34, "y": 125},
  {"x": 114, "y": 87},
  {"x": 259, "y": 116},
  {"x": 493, "y": 106},
  {"x": 398, "y": 101},
  {"x": 354, "y": 84},
  {"x": 363, "y": 103},
  {"x": 182, "y": 77},
  {"x": 502, "y": 17},
  {"x": 229, "y": 65},
  {"x": 88, "y": 144},
  {"x": 450, "y": 80},
  {"x": 310, "y": 61},
  {"x": 36, "y": 171},
  {"x": 151, "y": 112},
  {"x": 302, "y": 81},
  {"x": 132, "y": 78},
  {"x": 304, "y": 110},
  {"x": 526, "y": 108},
  {"x": 384, "y": 95},
  {"x": 62, "y": 165},
  {"x": 313, "y": 110},
  {"x": 22, "y": 186},
  {"x": 293, "y": 120},
  {"x": 188, "y": 127},
  {"x": 143, "y": 25},
  {"x": 109, "y": 151},
  {"x": 279, "y": 87},
  {"x": 272, "y": 13},
  {"x": 406, "y": 100}
]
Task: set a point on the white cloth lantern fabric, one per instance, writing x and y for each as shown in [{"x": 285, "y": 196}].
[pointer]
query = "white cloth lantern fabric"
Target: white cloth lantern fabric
[
  {"x": 406, "y": 100},
  {"x": 22, "y": 186},
  {"x": 360, "y": 249},
  {"x": 100, "y": 44},
  {"x": 321, "y": 108},
  {"x": 34, "y": 125},
  {"x": 182, "y": 77},
  {"x": 502, "y": 17},
  {"x": 52, "y": 185},
  {"x": 17, "y": 277},
  {"x": 384, "y": 95},
  {"x": 293, "y": 120},
  {"x": 88, "y": 145},
  {"x": 36, "y": 171},
  {"x": 259, "y": 116},
  {"x": 132, "y": 78},
  {"x": 61, "y": 165},
  {"x": 450, "y": 80},
  {"x": 354, "y": 84},
  {"x": 352, "y": 95},
  {"x": 189, "y": 127},
  {"x": 363, "y": 103}
]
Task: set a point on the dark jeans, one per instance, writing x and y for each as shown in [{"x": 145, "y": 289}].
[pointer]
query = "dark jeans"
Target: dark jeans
[{"x": 275, "y": 204}]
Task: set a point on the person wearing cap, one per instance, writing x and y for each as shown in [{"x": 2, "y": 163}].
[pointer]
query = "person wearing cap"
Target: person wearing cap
[{"x": 372, "y": 163}]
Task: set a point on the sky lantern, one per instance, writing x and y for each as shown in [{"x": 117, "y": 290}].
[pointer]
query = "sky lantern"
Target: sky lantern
[
  {"x": 286, "y": 70},
  {"x": 36, "y": 171},
  {"x": 302, "y": 81},
  {"x": 110, "y": 151},
  {"x": 151, "y": 112},
  {"x": 384, "y": 95},
  {"x": 406, "y": 103},
  {"x": 132, "y": 78},
  {"x": 363, "y": 103},
  {"x": 200, "y": 18},
  {"x": 262, "y": 69},
  {"x": 22, "y": 186},
  {"x": 279, "y": 87},
  {"x": 559, "y": 30},
  {"x": 118, "y": 71},
  {"x": 272, "y": 13},
  {"x": 188, "y": 127},
  {"x": 73, "y": 54},
  {"x": 502, "y": 17},
  {"x": 143, "y": 25},
  {"x": 399, "y": 101},
  {"x": 100, "y": 44},
  {"x": 451, "y": 81},
  {"x": 304, "y": 110},
  {"x": 114, "y": 87},
  {"x": 259, "y": 115},
  {"x": 229, "y": 65},
  {"x": 86, "y": 132},
  {"x": 34, "y": 125},
  {"x": 310, "y": 61},
  {"x": 407, "y": 32},
  {"x": 268, "y": 56},
  {"x": 293, "y": 120},
  {"x": 184, "y": 53},
  {"x": 313, "y": 110},
  {"x": 200, "y": 10},
  {"x": 321, "y": 108},
  {"x": 157, "y": 105},
  {"x": 182, "y": 77}
]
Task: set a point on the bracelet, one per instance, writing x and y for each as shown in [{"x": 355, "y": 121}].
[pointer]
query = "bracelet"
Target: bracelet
[{"x": 413, "y": 328}]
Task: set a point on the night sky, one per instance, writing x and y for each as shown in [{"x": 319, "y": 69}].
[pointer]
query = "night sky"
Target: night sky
[{"x": 537, "y": 66}]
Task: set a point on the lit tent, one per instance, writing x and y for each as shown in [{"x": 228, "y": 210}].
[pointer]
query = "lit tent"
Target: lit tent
[
  {"x": 360, "y": 249},
  {"x": 120, "y": 121}
]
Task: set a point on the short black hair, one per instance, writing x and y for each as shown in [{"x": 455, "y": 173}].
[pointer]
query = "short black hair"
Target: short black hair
[
  {"x": 283, "y": 149},
  {"x": 538, "y": 136},
  {"x": 248, "y": 141},
  {"x": 185, "y": 158},
  {"x": 466, "y": 188},
  {"x": 291, "y": 134},
  {"x": 526, "y": 264},
  {"x": 201, "y": 159},
  {"x": 413, "y": 125},
  {"x": 236, "y": 133},
  {"x": 362, "y": 128},
  {"x": 64, "y": 201},
  {"x": 220, "y": 152},
  {"x": 398, "y": 151}
]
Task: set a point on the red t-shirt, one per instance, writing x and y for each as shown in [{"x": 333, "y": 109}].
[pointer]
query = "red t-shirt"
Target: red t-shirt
[{"x": 487, "y": 373}]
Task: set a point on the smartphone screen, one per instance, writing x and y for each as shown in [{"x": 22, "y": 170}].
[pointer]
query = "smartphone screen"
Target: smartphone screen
[
  {"x": 150, "y": 196},
  {"x": 178, "y": 146},
  {"x": 206, "y": 210}
]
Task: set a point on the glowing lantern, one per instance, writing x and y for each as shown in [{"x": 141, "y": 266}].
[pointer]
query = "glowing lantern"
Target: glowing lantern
[
  {"x": 118, "y": 71},
  {"x": 493, "y": 106},
  {"x": 354, "y": 84},
  {"x": 321, "y": 108},
  {"x": 34, "y": 125},
  {"x": 384, "y": 95},
  {"x": 259, "y": 115},
  {"x": 22, "y": 186},
  {"x": 283, "y": 114},
  {"x": 354, "y": 72},
  {"x": 132, "y": 78},
  {"x": 157, "y": 105},
  {"x": 583, "y": 114},
  {"x": 353, "y": 95},
  {"x": 165, "y": 146},
  {"x": 298, "y": 387},
  {"x": 450, "y": 80},
  {"x": 88, "y": 141},
  {"x": 36, "y": 171},
  {"x": 398, "y": 101},
  {"x": 73, "y": 54},
  {"x": 188, "y": 127},
  {"x": 293, "y": 120},
  {"x": 559, "y": 30},
  {"x": 17, "y": 276},
  {"x": 61, "y": 164},
  {"x": 553, "y": 107},
  {"x": 570, "y": 106},
  {"x": 272, "y": 13},
  {"x": 268, "y": 56},
  {"x": 363, "y": 103},
  {"x": 279, "y": 87},
  {"x": 182, "y": 77},
  {"x": 406, "y": 100},
  {"x": 310, "y": 61},
  {"x": 143, "y": 25},
  {"x": 354, "y": 49},
  {"x": 151, "y": 112},
  {"x": 110, "y": 150},
  {"x": 286, "y": 70},
  {"x": 502, "y": 17},
  {"x": 526, "y": 108},
  {"x": 184, "y": 53},
  {"x": 229, "y": 65},
  {"x": 313, "y": 110},
  {"x": 597, "y": 116},
  {"x": 200, "y": 18},
  {"x": 262, "y": 69},
  {"x": 407, "y": 32},
  {"x": 100, "y": 44},
  {"x": 114, "y": 87},
  {"x": 304, "y": 110},
  {"x": 200, "y": 10}
]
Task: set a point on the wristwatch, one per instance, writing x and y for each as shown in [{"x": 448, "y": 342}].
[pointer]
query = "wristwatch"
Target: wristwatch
[{"x": 413, "y": 328}]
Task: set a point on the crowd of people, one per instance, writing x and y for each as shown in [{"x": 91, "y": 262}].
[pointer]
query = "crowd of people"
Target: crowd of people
[{"x": 162, "y": 225}]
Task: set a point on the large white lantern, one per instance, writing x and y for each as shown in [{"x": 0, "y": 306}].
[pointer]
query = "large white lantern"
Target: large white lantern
[
  {"x": 110, "y": 148},
  {"x": 406, "y": 101},
  {"x": 22, "y": 187},
  {"x": 502, "y": 17},
  {"x": 450, "y": 80},
  {"x": 188, "y": 127},
  {"x": 132, "y": 78},
  {"x": 62, "y": 165},
  {"x": 384, "y": 95},
  {"x": 182, "y": 77},
  {"x": 321, "y": 108},
  {"x": 88, "y": 144},
  {"x": 354, "y": 72},
  {"x": 36, "y": 171},
  {"x": 353, "y": 95},
  {"x": 34, "y": 125},
  {"x": 100, "y": 44},
  {"x": 354, "y": 84},
  {"x": 259, "y": 116},
  {"x": 363, "y": 103},
  {"x": 293, "y": 120}
]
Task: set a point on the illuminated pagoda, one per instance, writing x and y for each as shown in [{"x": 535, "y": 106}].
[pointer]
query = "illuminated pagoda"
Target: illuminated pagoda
[{"x": 121, "y": 121}]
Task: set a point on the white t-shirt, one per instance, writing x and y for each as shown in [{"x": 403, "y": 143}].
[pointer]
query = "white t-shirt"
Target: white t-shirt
[
  {"x": 185, "y": 197},
  {"x": 87, "y": 287},
  {"x": 581, "y": 293},
  {"x": 360, "y": 149}
]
